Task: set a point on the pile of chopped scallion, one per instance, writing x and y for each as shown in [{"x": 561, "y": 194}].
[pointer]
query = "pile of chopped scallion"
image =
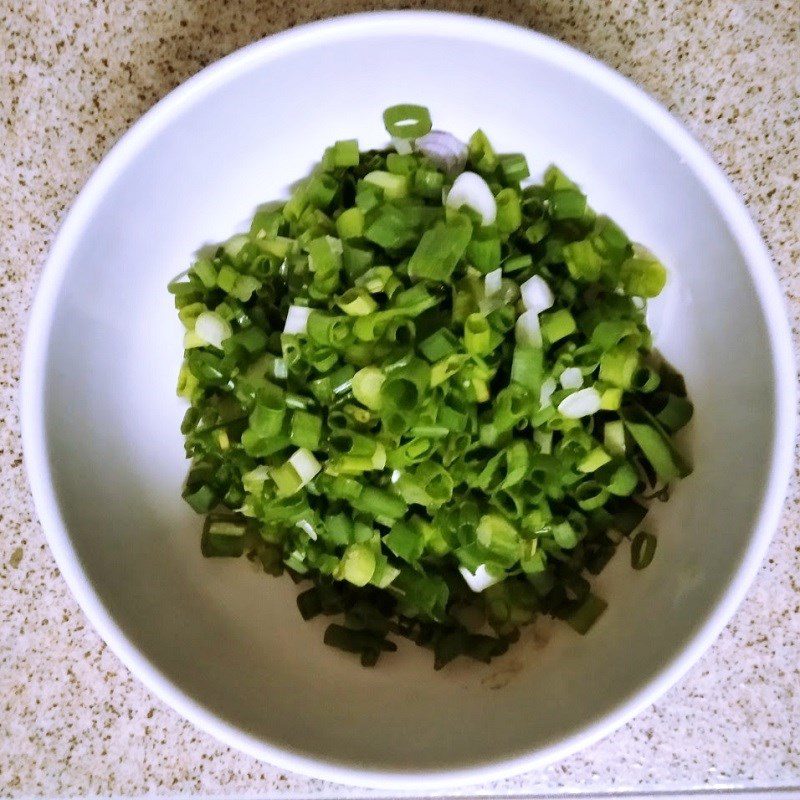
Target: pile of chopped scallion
[{"x": 425, "y": 385}]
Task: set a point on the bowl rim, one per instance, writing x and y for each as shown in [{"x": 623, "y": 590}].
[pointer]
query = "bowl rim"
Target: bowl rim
[{"x": 435, "y": 23}]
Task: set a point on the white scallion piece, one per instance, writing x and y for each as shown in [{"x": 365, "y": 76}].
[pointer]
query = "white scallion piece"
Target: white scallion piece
[
  {"x": 306, "y": 526},
  {"x": 579, "y": 404},
  {"x": 493, "y": 282},
  {"x": 296, "y": 319},
  {"x": 549, "y": 385},
  {"x": 211, "y": 328},
  {"x": 527, "y": 330},
  {"x": 571, "y": 378},
  {"x": 481, "y": 580},
  {"x": 402, "y": 146},
  {"x": 536, "y": 294},
  {"x": 305, "y": 464},
  {"x": 279, "y": 369},
  {"x": 469, "y": 189},
  {"x": 446, "y": 151}
]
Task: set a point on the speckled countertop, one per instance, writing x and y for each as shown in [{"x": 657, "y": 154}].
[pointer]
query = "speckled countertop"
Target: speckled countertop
[{"x": 73, "y": 76}]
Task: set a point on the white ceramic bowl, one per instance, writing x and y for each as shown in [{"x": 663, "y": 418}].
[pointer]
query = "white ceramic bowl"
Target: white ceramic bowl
[{"x": 224, "y": 645}]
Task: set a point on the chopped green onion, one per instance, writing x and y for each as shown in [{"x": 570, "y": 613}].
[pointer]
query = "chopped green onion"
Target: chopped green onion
[
  {"x": 356, "y": 303},
  {"x": 428, "y": 183},
  {"x": 567, "y": 204},
  {"x": 472, "y": 191},
  {"x": 643, "y": 549},
  {"x": 571, "y": 378},
  {"x": 514, "y": 167},
  {"x": 527, "y": 367},
  {"x": 557, "y": 325},
  {"x": 642, "y": 276},
  {"x": 406, "y": 541},
  {"x": 676, "y": 412},
  {"x": 481, "y": 154},
  {"x": 407, "y": 121},
  {"x": 499, "y": 537},
  {"x": 582, "y": 403},
  {"x": 537, "y": 232},
  {"x": 306, "y": 430},
  {"x": 586, "y": 614},
  {"x": 440, "y": 249},
  {"x": 480, "y": 579},
  {"x": 656, "y": 446},
  {"x": 517, "y": 264},
  {"x": 509, "y": 211},
  {"x": 345, "y": 153},
  {"x": 645, "y": 379},
  {"x": 325, "y": 255},
  {"x": 537, "y": 296},
  {"x": 614, "y": 438},
  {"x": 477, "y": 340},
  {"x": 611, "y": 398},
  {"x": 350, "y": 223},
  {"x": 211, "y": 328},
  {"x": 623, "y": 480},
  {"x": 223, "y": 538},
  {"x": 296, "y": 320},
  {"x": 244, "y": 287},
  {"x": 618, "y": 366},
  {"x": 484, "y": 252},
  {"x": 392, "y": 186},
  {"x": 528, "y": 330},
  {"x": 357, "y": 565},
  {"x": 594, "y": 460},
  {"x": 438, "y": 345},
  {"x": 328, "y": 330},
  {"x": 266, "y": 419},
  {"x": 426, "y": 387},
  {"x": 305, "y": 465},
  {"x": 591, "y": 495},
  {"x": 583, "y": 261},
  {"x": 367, "y": 383}
]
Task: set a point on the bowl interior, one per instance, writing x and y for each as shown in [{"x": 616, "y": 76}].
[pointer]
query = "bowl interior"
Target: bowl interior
[{"x": 232, "y": 639}]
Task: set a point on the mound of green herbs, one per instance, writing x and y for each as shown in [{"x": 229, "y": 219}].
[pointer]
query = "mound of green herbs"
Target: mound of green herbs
[{"x": 374, "y": 409}]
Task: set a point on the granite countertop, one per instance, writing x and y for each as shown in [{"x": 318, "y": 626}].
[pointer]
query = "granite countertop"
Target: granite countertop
[{"x": 73, "y": 77}]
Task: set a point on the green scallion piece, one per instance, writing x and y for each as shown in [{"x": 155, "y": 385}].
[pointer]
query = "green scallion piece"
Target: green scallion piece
[
  {"x": 305, "y": 430},
  {"x": 675, "y": 413},
  {"x": 440, "y": 249},
  {"x": 556, "y": 325},
  {"x": 514, "y": 167},
  {"x": 643, "y": 549},
  {"x": 392, "y": 186},
  {"x": 439, "y": 345},
  {"x": 357, "y": 564},
  {"x": 407, "y": 121},
  {"x": 484, "y": 252},
  {"x": 642, "y": 276},
  {"x": 477, "y": 338},
  {"x": 350, "y": 223},
  {"x": 509, "y": 211},
  {"x": 583, "y": 618},
  {"x": 655, "y": 444},
  {"x": 346, "y": 153},
  {"x": 223, "y": 538}
]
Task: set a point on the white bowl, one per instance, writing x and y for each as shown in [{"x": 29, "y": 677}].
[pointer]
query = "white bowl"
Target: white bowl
[{"x": 225, "y": 646}]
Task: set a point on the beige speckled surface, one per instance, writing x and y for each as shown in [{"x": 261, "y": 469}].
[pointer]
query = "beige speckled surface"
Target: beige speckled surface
[{"x": 73, "y": 76}]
